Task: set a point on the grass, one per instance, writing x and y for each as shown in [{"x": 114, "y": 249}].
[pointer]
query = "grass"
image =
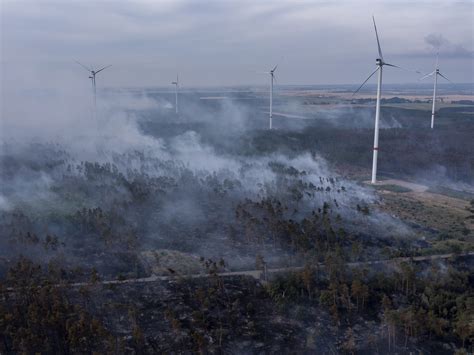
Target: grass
[
  {"x": 423, "y": 106},
  {"x": 444, "y": 227},
  {"x": 452, "y": 246},
  {"x": 446, "y": 191}
]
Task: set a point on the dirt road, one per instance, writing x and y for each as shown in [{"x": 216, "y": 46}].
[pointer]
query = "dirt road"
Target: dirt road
[{"x": 260, "y": 274}]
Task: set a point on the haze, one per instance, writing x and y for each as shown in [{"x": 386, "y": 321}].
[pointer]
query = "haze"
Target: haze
[
  {"x": 213, "y": 43},
  {"x": 229, "y": 213}
]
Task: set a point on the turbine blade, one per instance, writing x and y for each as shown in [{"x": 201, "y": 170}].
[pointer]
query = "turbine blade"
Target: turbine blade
[
  {"x": 441, "y": 75},
  {"x": 392, "y": 65},
  {"x": 98, "y": 71},
  {"x": 409, "y": 70},
  {"x": 275, "y": 68},
  {"x": 437, "y": 60},
  {"x": 378, "y": 41},
  {"x": 366, "y": 80},
  {"x": 427, "y": 75},
  {"x": 82, "y": 65}
]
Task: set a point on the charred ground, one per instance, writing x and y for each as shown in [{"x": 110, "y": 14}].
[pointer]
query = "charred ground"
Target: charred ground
[{"x": 214, "y": 183}]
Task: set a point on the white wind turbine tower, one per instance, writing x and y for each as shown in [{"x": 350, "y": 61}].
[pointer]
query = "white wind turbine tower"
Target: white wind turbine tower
[
  {"x": 176, "y": 84},
  {"x": 435, "y": 72},
  {"x": 380, "y": 63},
  {"x": 93, "y": 73},
  {"x": 272, "y": 79}
]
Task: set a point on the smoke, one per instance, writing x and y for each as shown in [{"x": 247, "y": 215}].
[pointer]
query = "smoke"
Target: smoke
[
  {"x": 343, "y": 115},
  {"x": 4, "y": 205},
  {"x": 393, "y": 123},
  {"x": 173, "y": 180},
  {"x": 63, "y": 117},
  {"x": 440, "y": 176},
  {"x": 438, "y": 42}
]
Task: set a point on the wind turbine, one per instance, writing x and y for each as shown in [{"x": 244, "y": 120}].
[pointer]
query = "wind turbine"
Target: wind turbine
[
  {"x": 176, "y": 83},
  {"x": 436, "y": 72},
  {"x": 272, "y": 79},
  {"x": 380, "y": 63},
  {"x": 93, "y": 73}
]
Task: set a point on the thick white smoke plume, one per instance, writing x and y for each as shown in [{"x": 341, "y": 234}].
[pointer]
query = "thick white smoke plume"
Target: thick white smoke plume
[{"x": 46, "y": 145}]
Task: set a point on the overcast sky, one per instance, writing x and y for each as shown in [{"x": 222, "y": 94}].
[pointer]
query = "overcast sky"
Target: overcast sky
[{"x": 225, "y": 42}]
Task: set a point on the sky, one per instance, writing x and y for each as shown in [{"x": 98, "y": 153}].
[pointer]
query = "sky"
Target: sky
[{"x": 226, "y": 42}]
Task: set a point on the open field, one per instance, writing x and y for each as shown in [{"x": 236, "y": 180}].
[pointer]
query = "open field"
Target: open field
[
  {"x": 443, "y": 221},
  {"x": 347, "y": 96}
]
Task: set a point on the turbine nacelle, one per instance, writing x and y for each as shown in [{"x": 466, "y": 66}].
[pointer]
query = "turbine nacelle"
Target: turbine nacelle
[
  {"x": 272, "y": 80},
  {"x": 176, "y": 86},
  {"x": 176, "y": 82},
  {"x": 435, "y": 74},
  {"x": 272, "y": 72},
  {"x": 379, "y": 63},
  {"x": 92, "y": 71}
]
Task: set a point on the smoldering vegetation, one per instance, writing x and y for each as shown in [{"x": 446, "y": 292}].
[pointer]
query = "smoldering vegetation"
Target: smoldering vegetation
[
  {"x": 341, "y": 130},
  {"x": 145, "y": 191},
  {"x": 205, "y": 182}
]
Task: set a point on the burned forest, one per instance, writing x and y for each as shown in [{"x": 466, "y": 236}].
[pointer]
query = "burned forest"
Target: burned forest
[{"x": 174, "y": 180}]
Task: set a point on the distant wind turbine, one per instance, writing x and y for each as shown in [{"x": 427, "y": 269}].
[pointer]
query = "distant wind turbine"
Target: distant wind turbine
[
  {"x": 176, "y": 84},
  {"x": 272, "y": 79},
  {"x": 380, "y": 64},
  {"x": 93, "y": 73},
  {"x": 436, "y": 72}
]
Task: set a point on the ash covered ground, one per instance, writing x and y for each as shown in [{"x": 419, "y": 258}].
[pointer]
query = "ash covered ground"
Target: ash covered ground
[{"x": 142, "y": 191}]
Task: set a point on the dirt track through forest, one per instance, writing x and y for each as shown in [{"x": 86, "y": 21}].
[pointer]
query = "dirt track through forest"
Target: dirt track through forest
[{"x": 260, "y": 274}]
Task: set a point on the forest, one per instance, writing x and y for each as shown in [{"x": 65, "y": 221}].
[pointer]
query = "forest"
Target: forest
[{"x": 186, "y": 233}]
